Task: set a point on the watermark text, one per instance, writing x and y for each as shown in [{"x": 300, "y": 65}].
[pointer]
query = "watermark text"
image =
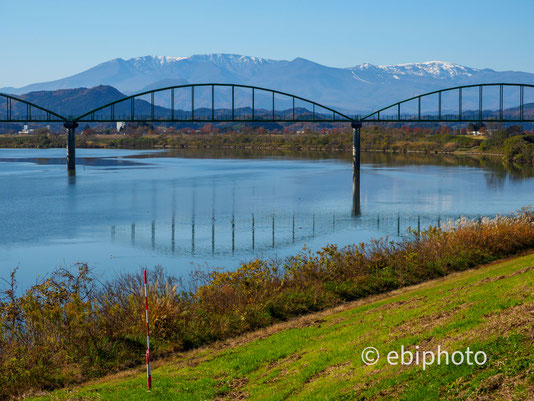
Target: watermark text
[{"x": 425, "y": 358}]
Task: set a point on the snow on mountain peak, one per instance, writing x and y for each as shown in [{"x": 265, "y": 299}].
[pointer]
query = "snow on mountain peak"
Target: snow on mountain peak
[
  {"x": 435, "y": 69},
  {"x": 155, "y": 59},
  {"x": 217, "y": 58}
]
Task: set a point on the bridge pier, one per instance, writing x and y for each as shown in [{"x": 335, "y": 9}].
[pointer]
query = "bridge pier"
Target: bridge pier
[
  {"x": 71, "y": 146},
  {"x": 356, "y": 209},
  {"x": 356, "y": 125}
]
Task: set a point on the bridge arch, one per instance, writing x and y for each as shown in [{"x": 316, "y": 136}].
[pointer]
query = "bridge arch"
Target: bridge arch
[
  {"x": 14, "y": 109},
  {"x": 134, "y": 108},
  {"x": 477, "y": 113}
]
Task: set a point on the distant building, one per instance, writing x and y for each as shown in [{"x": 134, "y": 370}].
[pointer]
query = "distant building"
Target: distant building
[
  {"x": 120, "y": 125},
  {"x": 476, "y": 129},
  {"x": 25, "y": 130},
  {"x": 473, "y": 132}
]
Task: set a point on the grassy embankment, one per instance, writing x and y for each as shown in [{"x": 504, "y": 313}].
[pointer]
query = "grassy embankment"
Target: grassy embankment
[{"x": 318, "y": 356}]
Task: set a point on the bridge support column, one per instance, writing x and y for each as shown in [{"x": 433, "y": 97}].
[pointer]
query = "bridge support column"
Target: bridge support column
[
  {"x": 71, "y": 146},
  {"x": 356, "y": 209},
  {"x": 356, "y": 125}
]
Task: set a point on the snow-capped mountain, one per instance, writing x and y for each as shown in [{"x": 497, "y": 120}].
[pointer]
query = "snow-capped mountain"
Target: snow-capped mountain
[
  {"x": 429, "y": 69},
  {"x": 361, "y": 88}
]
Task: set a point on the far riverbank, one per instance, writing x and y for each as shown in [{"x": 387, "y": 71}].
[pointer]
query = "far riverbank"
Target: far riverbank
[{"x": 511, "y": 143}]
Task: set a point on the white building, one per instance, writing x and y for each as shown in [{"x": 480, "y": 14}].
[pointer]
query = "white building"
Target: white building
[{"x": 25, "y": 130}]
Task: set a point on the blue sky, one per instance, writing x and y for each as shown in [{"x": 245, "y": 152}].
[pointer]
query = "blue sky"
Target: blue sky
[{"x": 46, "y": 40}]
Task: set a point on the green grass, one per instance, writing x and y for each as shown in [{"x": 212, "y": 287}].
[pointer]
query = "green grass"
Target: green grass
[{"x": 319, "y": 356}]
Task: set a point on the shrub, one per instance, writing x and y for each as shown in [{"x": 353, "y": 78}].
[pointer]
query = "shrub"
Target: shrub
[{"x": 519, "y": 149}]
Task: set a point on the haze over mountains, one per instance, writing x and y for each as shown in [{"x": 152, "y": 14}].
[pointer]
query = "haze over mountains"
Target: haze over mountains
[{"x": 357, "y": 89}]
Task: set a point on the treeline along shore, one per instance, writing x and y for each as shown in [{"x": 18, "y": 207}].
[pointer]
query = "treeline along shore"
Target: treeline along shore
[
  {"x": 512, "y": 143},
  {"x": 70, "y": 327}
]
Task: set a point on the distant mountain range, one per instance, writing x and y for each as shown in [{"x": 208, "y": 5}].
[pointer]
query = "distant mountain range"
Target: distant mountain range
[
  {"x": 358, "y": 89},
  {"x": 71, "y": 102}
]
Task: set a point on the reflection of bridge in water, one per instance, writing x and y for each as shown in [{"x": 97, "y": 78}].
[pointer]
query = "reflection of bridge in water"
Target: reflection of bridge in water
[{"x": 189, "y": 234}]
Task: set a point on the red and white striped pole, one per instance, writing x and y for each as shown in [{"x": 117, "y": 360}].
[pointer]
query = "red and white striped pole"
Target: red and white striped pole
[{"x": 148, "y": 373}]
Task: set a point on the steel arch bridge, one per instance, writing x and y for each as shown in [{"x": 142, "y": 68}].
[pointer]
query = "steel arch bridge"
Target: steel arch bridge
[
  {"x": 218, "y": 102},
  {"x": 465, "y": 103}
]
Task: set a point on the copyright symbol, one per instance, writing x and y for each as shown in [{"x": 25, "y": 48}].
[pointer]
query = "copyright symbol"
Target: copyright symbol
[{"x": 370, "y": 355}]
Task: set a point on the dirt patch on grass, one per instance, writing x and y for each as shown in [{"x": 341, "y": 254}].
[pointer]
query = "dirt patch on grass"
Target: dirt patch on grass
[
  {"x": 405, "y": 304},
  {"x": 500, "y": 387},
  {"x": 425, "y": 323},
  {"x": 522, "y": 271},
  {"x": 338, "y": 370},
  {"x": 281, "y": 364},
  {"x": 516, "y": 273},
  {"x": 489, "y": 280},
  {"x": 236, "y": 393},
  {"x": 518, "y": 319},
  {"x": 290, "y": 359}
]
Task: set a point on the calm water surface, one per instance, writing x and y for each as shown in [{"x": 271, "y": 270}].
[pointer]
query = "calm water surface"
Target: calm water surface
[{"x": 127, "y": 209}]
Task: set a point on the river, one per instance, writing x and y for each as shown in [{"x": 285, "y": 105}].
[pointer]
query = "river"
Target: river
[{"x": 129, "y": 209}]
